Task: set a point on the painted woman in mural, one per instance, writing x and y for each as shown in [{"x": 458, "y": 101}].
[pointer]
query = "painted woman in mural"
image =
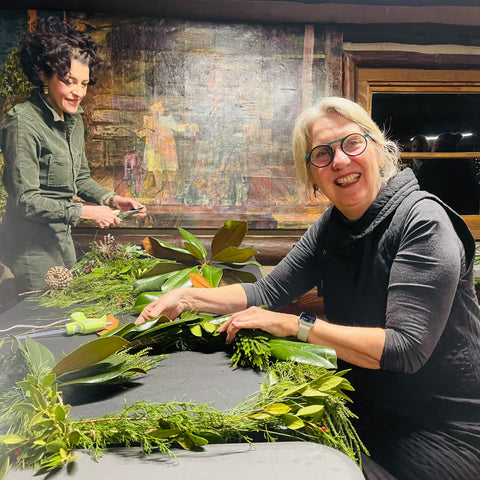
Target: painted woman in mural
[{"x": 42, "y": 141}]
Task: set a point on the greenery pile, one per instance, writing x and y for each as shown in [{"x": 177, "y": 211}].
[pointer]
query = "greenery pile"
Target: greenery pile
[{"x": 296, "y": 401}]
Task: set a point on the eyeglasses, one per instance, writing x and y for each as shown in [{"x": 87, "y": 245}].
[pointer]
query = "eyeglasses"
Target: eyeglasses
[{"x": 322, "y": 155}]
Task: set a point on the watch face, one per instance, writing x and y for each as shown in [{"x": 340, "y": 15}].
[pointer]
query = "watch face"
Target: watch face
[{"x": 307, "y": 318}]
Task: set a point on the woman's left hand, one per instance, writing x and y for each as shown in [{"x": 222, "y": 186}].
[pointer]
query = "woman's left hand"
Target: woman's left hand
[
  {"x": 125, "y": 203},
  {"x": 277, "y": 324}
]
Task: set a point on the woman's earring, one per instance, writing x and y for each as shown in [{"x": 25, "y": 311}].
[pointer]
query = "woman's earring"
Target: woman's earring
[
  {"x": 381, "y": 169},
  {"x": 45, "y": 89},
  {"x": 315, "y": 188}
]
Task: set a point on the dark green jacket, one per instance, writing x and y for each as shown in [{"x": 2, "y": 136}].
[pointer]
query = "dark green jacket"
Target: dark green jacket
[{"x": 45, "y": 164}]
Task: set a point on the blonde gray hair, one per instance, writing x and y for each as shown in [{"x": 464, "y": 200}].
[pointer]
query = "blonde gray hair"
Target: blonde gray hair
[{"x": 302, "y": 143}]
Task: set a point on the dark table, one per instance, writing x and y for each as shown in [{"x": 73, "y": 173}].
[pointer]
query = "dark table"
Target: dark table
[{"x": 185, "y": 376}]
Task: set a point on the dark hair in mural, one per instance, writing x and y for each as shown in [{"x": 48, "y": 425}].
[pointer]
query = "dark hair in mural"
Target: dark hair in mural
[{"x": 51, "y": 48}]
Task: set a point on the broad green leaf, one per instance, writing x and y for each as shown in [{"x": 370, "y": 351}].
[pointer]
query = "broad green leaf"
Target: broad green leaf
[
  {"x": 289, "y": 350},
  {"x": 160, "y": 249},
  {"x": 11, "y": 439},
  {"x": 310, "y": 410},
  {"x": 277, "y": 408},
  {"x": 197, "y": 440},
  {"x": 193, "y": 245},
  {"x": 331, "y": 383},
  {"x": 234, "y": 255},
  {"x": 237, "y": 276},
  {"x": 151, "y": 284},
  {"x": 196, "y": 330},
  {"x": 104, "y": 378},
  {"x": 212, "y": 274},
  {"x": 179, "y": 279},
  {"x": 208, "y": 327},
  {"x": 311, "y": 392},
  {"x": 39, "y": 357},
  {"x": 259, "y": 416},
  {"x": 145, "y": 299},
  {"x": 89, "y": 354},
  {"x": 231, "y": 234},
  {"x": 60, "y": 413},
  {"x": 165, "y": 433},
  {"x": 48, "y": 379},
  {"x": 185, "y": 442},
  {"x": 163, "y": 266},
  {"x": 37, "y": 397},
  {"x": 292, "y": 421}
]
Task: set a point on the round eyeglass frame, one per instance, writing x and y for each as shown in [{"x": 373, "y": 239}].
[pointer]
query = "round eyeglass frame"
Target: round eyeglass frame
[{"x": 332, "y": 151}]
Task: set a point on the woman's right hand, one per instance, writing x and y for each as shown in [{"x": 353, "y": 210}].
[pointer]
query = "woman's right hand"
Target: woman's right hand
[
  {"x": 170, "y": 304},
  {"x": 101, "y": 215}
]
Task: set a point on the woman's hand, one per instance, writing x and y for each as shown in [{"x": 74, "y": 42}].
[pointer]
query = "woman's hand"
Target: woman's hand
[
  {"x": 277, "y": 324},
  {"x": 102, "y": 216},
  {"x": 170, "y": 304},
  {"x": 125, "y": 203}
]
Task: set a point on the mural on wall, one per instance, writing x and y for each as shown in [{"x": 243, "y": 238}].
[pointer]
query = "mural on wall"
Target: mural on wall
[{"x": 194, "y": 119}]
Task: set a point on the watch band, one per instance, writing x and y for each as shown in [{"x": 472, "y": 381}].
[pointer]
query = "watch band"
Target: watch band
[{"x": 305, "y": 323}]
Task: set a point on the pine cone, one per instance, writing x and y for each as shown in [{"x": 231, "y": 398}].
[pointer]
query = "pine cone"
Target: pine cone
[{"x": 58, "y": 278}]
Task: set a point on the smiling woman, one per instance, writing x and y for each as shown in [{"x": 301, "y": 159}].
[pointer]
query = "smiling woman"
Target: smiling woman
[{"x": 42, "y": 141}]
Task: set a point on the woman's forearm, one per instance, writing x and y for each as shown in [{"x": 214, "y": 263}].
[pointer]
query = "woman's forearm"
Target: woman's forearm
[{"x": 361, "y": 346}]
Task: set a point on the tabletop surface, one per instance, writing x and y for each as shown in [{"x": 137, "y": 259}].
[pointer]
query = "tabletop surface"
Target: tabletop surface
[{"x": 182, "y": 376}]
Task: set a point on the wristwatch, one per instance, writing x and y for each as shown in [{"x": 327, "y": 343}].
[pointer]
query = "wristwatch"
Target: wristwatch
[{"x": 305, "y": 323}]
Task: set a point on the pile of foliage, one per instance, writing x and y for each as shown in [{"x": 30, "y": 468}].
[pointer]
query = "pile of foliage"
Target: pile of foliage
[
  {"x": 297, "y": 401},
  {"x": 112, "y": 278}
]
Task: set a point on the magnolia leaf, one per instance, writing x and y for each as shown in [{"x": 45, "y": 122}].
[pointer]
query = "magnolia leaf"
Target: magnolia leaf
[
  {"x": 179, "y": 279},
  {"x": 212, "y": 274},
  {"x": 198, "y": 281},
  {"x": 237, "y": 276},
  {"x": 231, "y": 234},
  {"x": 160, "y": 249},
  {"x": 89, "y": 354},
  {"x": 151, "y": 284},
  {"x": 234, "y": 255},
  {"x": 163, "y": 266},
  {"x": 277, "y": 408},
  {"x": 103, "y": 377},
  {"x": 208, "y": 327},
  {"x": 145, "y": 299},
  {"x": 193, "y": 244},
  {"x": 310, "y": 410},
  {"x": 289, "y": 350},
  {"x": 292, "y": 421}
]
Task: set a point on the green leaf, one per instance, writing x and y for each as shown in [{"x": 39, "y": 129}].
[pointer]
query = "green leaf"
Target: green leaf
[
  {"x": 11, "y": 439},
  {"x": 212, "y": 274},
  {"x": 89, "y": 354},
  {"x": 193, "y": 245},
  {"x": 179, "y": 279},
  {"x": 292, "y": 421},
  {"x": 145, "y": 299},
  {"x": 4, "y": 466},
  {"x": 165, "y": 433},
  {"x": 234, "y": 255},
  {"x": 160, "y": 249},
  {"x": 39, "y": 357},
  {"x": 310, "y": 410},
  {"x": 60, "y": 413},
  {"x": 311, "y": 392},
  {"x": 332, "y": 383},
  {"x": 238, "y": 276},
  {"x": 151, "y": 284},
  {"x": 277, "y": 408},
  {"x": 163, "y": 266},
  {"x": 231, "y": 234},
  {"x": 288, "y": 350},
  {"x": 196, "y": 330},
  {"x": 197, "y": 440}
]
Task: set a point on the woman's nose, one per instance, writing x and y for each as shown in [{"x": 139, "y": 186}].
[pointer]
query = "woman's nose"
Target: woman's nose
[{"x": 340, "y": 159}]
